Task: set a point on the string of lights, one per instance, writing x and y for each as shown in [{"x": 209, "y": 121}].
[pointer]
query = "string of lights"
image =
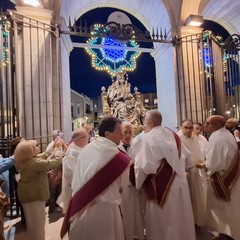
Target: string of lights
[
  {"x": 5, "y": 27},
  {"x": 112, "y": 60}
]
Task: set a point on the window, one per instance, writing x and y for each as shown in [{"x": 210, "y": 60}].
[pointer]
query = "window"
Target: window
[
  {"x": 72, "y": 110},
  {"x": 87, "y": 108}
]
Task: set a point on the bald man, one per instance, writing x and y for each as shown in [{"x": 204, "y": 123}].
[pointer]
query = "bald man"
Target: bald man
[
  {"x": 78, "y": 142},
  {"x": 160, "y": 171},
  {"x": 232, "y": 124},
  {"x": 223, "y": 193}
]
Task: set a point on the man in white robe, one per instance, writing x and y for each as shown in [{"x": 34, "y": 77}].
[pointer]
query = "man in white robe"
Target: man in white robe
[
  {"x": 173, "y": 220},
  {"x": 100, "y": 218},
  {"x": 233, "y": 125},
  {"x": 223, "y": 214},
  {"x": 197, "y": 179},
  {"x": 197, "y": 129},
  {"x": 79, "y": 141},
  {"x": 130, "y": 206}
]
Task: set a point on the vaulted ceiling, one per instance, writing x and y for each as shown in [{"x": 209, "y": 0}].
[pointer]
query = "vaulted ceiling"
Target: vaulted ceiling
[
  {"x": 154, "y": 13},
  {"x": 224, "y": 12},
  {"x": 168, "y": 13}
]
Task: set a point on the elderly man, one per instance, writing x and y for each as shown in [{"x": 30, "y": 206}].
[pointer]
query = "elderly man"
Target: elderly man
[
  {"x": 79, "y": 141},
  {"x": 94, "y": 212},
  {"x": 127, "y": 131},
  {"x": 197, "y": 129},
  {"x": 160, "y": 170},
  {"x": 222, "y": 164},
  {"x": 232, "y": 124},
  {"x": 196, "y": 177},
  {"x": 130, "y": 206}
]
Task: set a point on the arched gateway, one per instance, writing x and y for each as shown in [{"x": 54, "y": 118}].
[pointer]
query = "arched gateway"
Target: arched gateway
[{"x": 35, "y": 77}]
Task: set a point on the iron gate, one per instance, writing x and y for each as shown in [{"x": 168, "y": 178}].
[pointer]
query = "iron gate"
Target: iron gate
[
  {"x": 8, "y": 118},
  {"x": 208, "y": 76},
  {"x": 30, "y": 80}
]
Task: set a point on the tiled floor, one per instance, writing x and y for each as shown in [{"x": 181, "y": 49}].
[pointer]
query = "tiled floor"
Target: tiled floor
[{"x": 15, "y": 230}]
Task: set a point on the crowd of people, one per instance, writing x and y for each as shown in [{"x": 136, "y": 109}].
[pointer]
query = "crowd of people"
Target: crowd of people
[{"x": 159, "y": 184}]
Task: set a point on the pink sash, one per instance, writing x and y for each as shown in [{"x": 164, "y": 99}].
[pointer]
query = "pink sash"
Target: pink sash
[
  {"x": 95, "y": 186},
  {"x": 223, "y": 185},
  {"x": 157, "y": 186}
]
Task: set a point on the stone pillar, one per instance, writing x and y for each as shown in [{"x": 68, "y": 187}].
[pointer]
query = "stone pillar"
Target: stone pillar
[
  {"x": 43, "y": 85},
  {"x": 66, "y": 48},
  {"x": 166, "y": 86}
]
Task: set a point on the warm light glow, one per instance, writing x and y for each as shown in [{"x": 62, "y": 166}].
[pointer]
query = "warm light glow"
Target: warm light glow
[
  {"x": 195, "y": 24},
  {"x": 194, "y": 20},
  {"x": 34, "y": 3}
]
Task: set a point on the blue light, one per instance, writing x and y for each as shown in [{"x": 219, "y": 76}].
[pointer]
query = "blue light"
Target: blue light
[
  {"x": 112, "y": 60},
  {"x": 113, "y": 54},
  {"x": 206, "y": 56}
]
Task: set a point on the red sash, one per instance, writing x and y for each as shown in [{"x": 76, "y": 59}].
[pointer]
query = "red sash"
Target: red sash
[
  {"x": 157, "y": 185},
  {"x": 223, "y": 185},
  {"x": 95, "y": 186}
]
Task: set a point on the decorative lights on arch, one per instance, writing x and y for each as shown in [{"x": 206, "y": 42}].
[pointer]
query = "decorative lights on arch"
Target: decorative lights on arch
[
  {"x": 113, "y": 60},
  {"x": 5, "y": 27}
]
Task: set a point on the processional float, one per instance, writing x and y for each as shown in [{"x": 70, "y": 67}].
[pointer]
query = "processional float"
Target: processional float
[
  {"x": 118, "y": 101},
  {"x": 117, "y": 55}
]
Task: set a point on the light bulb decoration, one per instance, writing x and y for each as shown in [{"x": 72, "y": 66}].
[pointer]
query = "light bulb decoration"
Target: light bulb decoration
[
  {"x": 112, "y": 60},
  {"x": 5, "y": 27}
]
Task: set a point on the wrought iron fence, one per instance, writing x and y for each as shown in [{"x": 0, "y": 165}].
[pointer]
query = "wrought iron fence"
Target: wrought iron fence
[
  {"x": 30, "y": 80},
  {"x": 207, "y": 76}
]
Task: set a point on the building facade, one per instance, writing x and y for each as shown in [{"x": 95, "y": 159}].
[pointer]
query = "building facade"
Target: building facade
[{"x": 81, "y": 110}]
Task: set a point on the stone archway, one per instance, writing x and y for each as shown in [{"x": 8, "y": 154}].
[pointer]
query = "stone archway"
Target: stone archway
[
  {"x": 224, "y": 12},
  {"x": 168, "y": 13},
  {"x": 151, "y": 15}
]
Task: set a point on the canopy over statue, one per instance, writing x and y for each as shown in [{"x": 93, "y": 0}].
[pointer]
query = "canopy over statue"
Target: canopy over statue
[{"x": 119, "y": 102}]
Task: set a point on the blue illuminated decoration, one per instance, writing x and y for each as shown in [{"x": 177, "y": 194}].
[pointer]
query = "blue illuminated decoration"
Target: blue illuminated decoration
[
  {"x": 207, "y": 57},
  {"x": 5, "y": 27},
  {"x": 113, "y": 60},
  {"x": 113, "y": 54}
]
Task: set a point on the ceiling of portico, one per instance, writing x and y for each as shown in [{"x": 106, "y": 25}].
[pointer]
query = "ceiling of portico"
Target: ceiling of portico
[
  {"x": 224, "y": 12},
  {"x": 150, "y": 13},
  {"x": 165, "y": 13},
  {"x": 155, "y": 13}
]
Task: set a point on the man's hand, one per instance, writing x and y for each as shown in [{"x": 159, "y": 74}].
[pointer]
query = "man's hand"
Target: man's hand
[{"x": 201, "y": 166}]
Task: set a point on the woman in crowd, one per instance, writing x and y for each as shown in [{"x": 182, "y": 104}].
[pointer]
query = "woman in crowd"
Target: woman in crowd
[{"x": 33, "y": 189}]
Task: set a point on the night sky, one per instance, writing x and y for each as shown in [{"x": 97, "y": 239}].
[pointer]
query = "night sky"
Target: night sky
[{"x": 85, "y": 79}]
